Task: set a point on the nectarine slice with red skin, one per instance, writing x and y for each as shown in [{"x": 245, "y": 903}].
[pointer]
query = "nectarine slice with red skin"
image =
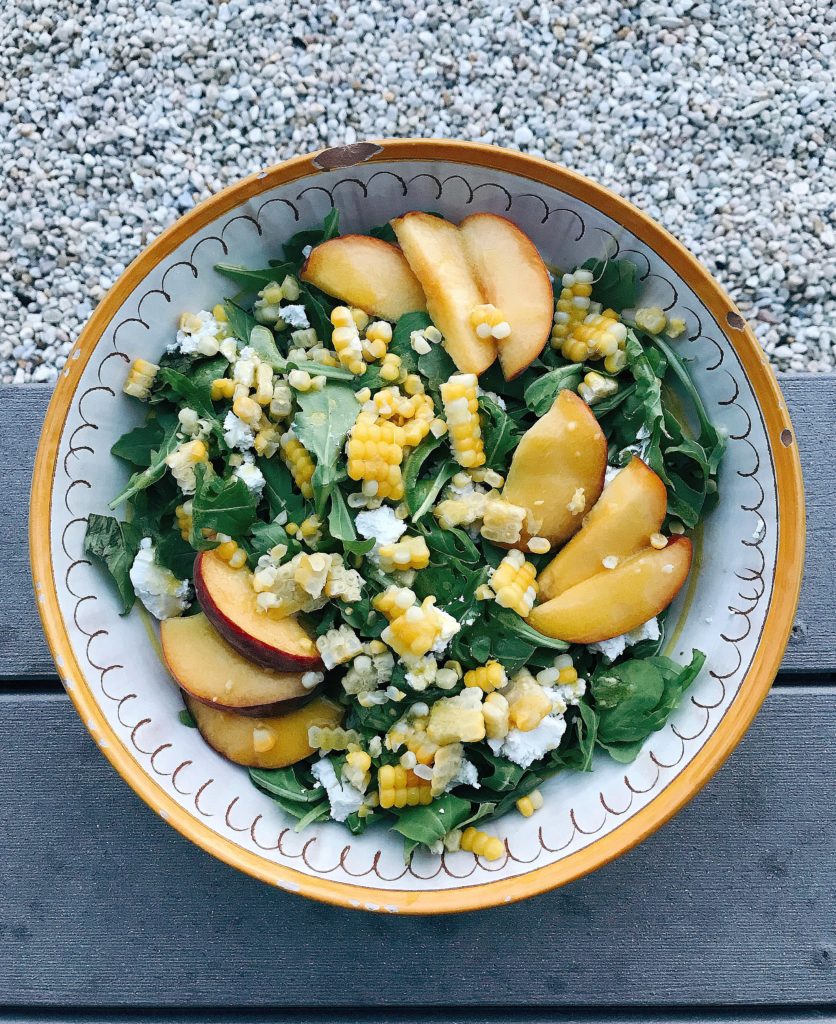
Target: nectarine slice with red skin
[
  {"x": 614, "y": 601},
  {"x": 227, "y": 598},
  {"x": 433, "y": 247},
  {"x": 565, "y": 450},
  {"x": 365, "y": 272},
  {"x": 511, "y": 276},
  {"x": 236, "y": 736},
  {"x": 210, "y": 670},
  {"x": 630, "y": 509}
]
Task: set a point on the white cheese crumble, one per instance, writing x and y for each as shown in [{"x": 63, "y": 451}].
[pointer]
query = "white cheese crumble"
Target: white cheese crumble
[
  {"x": 467, "y": 775},
  {"x": 251, "y": 475},
  {"x": 614, "y": 648},
  {"x": 237, "y": 433},
  {"x": 156, "y": 587},
  {"x": 381, "y": 525},
  {"x": 200, "y": 338},
  {"x": 344, "y": 798},
  {"x": 523, "y": 748},
  {"x": 295, "y": 316}
]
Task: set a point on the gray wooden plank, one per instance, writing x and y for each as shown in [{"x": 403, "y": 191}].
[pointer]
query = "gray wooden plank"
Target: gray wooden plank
[
  {"x": 730, "y": 904},
  {"x": 718, "y": 1015},
  {"x": 812, "y": 400}
]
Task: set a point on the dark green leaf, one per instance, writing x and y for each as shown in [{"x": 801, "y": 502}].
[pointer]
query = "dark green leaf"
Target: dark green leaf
[
  {"x": 185, "y": 718},
  {"x": 509, "y": 622},
  {"x": 262, "y": 342},
  {"x": 400, "y": 345},
  {"x": 254, "y": 280},
  {"x": 615, "y": 283},
  {"x": 157, "y": 467},
  {"x": 541, "y": 393},
  {"x": 319, "y": 311},
  {"x": 385, "y": 232},
  {"x": 293, "y": 248},
  {"x": 340, "y": 523},
  {"x": 175, "y": 553},
  {"x": 240, "y": 321},
  {"x": 285, "y": 782},
  {"x": 224, "y": 505},
  {"x": 115, "y": 544},
  {"x": 136, "y": 446},
  {"x": 281, "y": 492},
  {"x": 322, "y": 424},
  {"x": 436, "y": 367},
  {"x": 499, "y": 433},
  {"x": 428, "y": 824}
]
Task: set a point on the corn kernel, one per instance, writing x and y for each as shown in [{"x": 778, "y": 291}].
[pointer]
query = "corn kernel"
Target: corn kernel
[
  {"x": 481, "y": 844},
  {"x": 651, "y": 319},
  {"x": 527, "y": 805},
  {"x": 514, "y": 583},
  {"x": 490, "y": 676}
]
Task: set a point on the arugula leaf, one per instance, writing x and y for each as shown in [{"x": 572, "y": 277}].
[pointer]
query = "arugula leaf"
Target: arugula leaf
[
  {"x": 196, "y": 389},
  {"x": 156, "y": 468},
  {"x": 385, "y": 232},
  {"x": 175, "y": 554},
  {"x": 137, "y": 445},
  {"x": 263, "y": 343},
  {"x": 116, "y": 545},
  {"x": 224, "y": 505},
  {"x": 322, "y": 424},
  {"x": 420, "y": 494},
  {"x": 293, "y": 247},
  {"x": 452, "y": 545},
  {"x": 577, "y": 749},
  {"x": 436, "y": 366},
  {"x": 499, "y": 774},
  {"x": 340, "y": 523},
  {"x": 498, "y": 432},
  {"x": 240, "y": 321},
  {"x": 185, "y": 717},
  {"x": 615, "y": 283},
  {"x": 428, "y": 824},
  {"x": 318, "y": 309},
  {"x": 280, "y": 491},
  {"x": 264, "y": 536},
  {"x": 321, "y": 370},
  {"x": 285, "y": 782},
  {"x": 636, "y": 697},
  {"x": 541, "y": 393},
  {"x": 254, "y": 280},
  {"x": 507, "y": 622},
  {"x": 400, "y": 345}
]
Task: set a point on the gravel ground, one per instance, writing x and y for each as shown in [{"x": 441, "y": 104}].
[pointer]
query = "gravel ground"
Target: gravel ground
[{"x": 715, "y": 117}]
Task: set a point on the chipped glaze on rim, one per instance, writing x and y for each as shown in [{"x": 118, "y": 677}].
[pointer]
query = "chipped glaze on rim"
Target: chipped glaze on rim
[{"x": 776, "y": 627}]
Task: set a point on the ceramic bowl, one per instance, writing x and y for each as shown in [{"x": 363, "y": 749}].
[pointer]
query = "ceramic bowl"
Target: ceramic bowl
[{"x": 738, "y": 607}]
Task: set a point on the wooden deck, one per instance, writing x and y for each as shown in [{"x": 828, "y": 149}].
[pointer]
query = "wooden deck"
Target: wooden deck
[{"x": 727, "y": 914}]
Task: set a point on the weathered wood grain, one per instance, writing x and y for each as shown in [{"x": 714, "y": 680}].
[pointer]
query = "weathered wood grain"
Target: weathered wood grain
[
  {"x": 812, "y": 400},
  {"x": 305, "y": 1015},
  {"x": 730, "y": 904}
]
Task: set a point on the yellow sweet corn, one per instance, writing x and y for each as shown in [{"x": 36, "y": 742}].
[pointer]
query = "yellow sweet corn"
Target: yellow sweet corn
[
  {"x": 461, "y": 408},
  {"x": 326, "y": 739},
  {"x": 263, "y": 384},
  {"x": 183, "y": 514},
  {"x": 602, "y": 333},
  {"x": 399, "y": 787},
  {"x": 182, "y": 462},
  {"x": 222, "y": 387},
  {"x": 514, "y": 583},
  {"x": 528, "y": 702},
  {"x": 447, "y": 764},
  {"x": 502, "y": 522},
  {"x": 266, "y": 441},
  {"x": 407, "y": 553},
  {"x": 247, "y": 410},
  {"x": 527, "y": 805},
  {"x": 394, "y": 601},
  {"x": 572, "y": 307},
  {"x": 356, "y": 770},
  {"x": 390, "y": 368},
  {"x": 377, "y": 339},
  {"x": 676, "y": 327},
  {"x": 457, "y": 719},
  {"x": 414, "y": 737},
  {"x": 496, "y": 716},
  {"x": 651, "y": 319},
  {"x": 140, "y": 378},
  {"x": 219, "y": 313},
  {"x": 595, "y": 386},
  {"x": 346, "y": 340},
  {"x": 419, "y": 629},
  {"x": 298, "y": 460},
  {"x": 481, "y": 844},
  {"x": 229, "y": 551},
  {"x": 490, "y": 322},
  {"x": 488, "y": 677},
  {"x": 311, "y": 572},
  {"x": 375, "y": 454}
]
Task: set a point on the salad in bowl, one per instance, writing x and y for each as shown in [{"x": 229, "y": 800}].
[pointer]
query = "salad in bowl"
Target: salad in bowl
[{"x": 410, "y": 507}]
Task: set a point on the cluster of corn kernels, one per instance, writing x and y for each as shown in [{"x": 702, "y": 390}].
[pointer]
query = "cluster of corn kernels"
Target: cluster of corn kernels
[
  {"x": 496, "y": 716},
  {"x": 502, "y": 522},
  {"x": 229, "y": 551},
  {"x": 298, "y": 460},
  {"x": 357, "y": 769},
  {"x": 267, "y": 306},
  {"x": 572, "y": 305},
  {"x": 369, "y": 670},
  {"x": 490, "y": 322},
  {"x": 488, "y": 677},
  {"x": 414, "y": 737},
  {"x": 376, "y": 341},
  {"x": 415, "y": 413},
  {"x": 414, "y": 630},
  {"x": 390, "y": 368},
  {"x": 326, "y": 739},
  {"x": 400, "y": 787},
  {"x": 183, "y": 460},
  {"x": 346, "y": 338},
  {"x": 527, "y": 805},
  {"x": 651, "y": 319},
  {"x": 278, "y": 592},
  {"x": 600, "y": 336},
  {"x": 422, "y": 341},
  {"x": 407, "y": 553},
  {"x": 338, "y": 646},
  {"x": 596, "y": 386},
  {"x": 481, "y": 844},
  {"x": 266, "y": 442},
  {"x": 206, "y": 333},
  {"x": 309, "y": 530},
  {"x": 375, "y": 453},
  {"x": 528, "y": 702},
  {"x": 461, "y": 409},
  {"x": 301, "y": 380},
  {"x": 446, "y": 766},
  {"x": 514, "y": 583},
  {"x": 394, "y": 602},
  {"x": 140, "y": 378},
  {"x": 183, "y": 515}
]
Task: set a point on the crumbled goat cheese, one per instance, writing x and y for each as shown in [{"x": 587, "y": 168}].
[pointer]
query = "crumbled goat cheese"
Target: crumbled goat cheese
[
  {"x": 523, "y": 748},
  {"x": 344, "y": 798},
  {"x": 614, "y": 648},
  {"x": 449, "y": 628},
  {"x": 295, "y": 316},
  {"x": 203, "y": 340},
  {"x": 158, "y": 588},
  {"x": 251, "y": 475},
  {"x": 237, "y": 433},
  {"x": 467, "y": 775},
  {"x": 381, "y": 525}
]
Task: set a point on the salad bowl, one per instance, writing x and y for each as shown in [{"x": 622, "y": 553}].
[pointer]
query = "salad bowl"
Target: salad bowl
[{"x": 737, "y": 606}]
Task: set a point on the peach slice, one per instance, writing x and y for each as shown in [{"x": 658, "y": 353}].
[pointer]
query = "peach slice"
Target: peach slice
[
  {"x": 564, "y": 452},
  {"x": 268, "y": 742},
  {"x": 434, "y": 250},
  {"x": 227, "y": 598},
  {"x": 615, "y": 601},
  {"x": 512, "y": 276},
  {"x": 365, "y": 272},
  {"x": 630, "y": 509},
  {"x": 208, "y": 669}
]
